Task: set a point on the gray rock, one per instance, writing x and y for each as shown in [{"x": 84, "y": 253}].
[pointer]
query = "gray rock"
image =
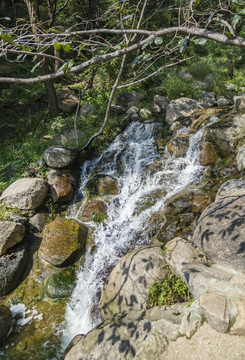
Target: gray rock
[
  {"x": 161, "y": 101},
  {"x": 58, "y": 157},
  {"x": 208, "y": 99},
  {"x": 25, "y": 193},
  {"x": 220, "y": 231},
  {"x": 222, "y": 134},
  {"x": 216, "y": 311},
  {"x": 139, "y": 335},
  {"x": 178, "y": 252},
  {"x": 238, "y": 328},
  {"x": 38, "y": 220},
  {"x": 233, "y": 187},
  {"x": 12, "y": 268},
  {"x": 222, "y": 101},
  {"x": 206, "y": 344},
  {"x": 180, "y": 108},
  {"x": 127, "y": 97},
  {"x": 191, "y": 320},
  {"x": 239, "y": 103},
  {"x": 240, "y": 158},
  {"x": 128, "y": 283},
  {"x": 133, "y": 110},
  {"x": 203, "y": 277},
  {"x": 118, "y": 108},
  {"x": 10, "y": 234},
  {"x": 69, "y": 138},
  {"x": 5, "y": 322}
]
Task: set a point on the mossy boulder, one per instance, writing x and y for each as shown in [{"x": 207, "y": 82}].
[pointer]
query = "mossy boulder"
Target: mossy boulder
[
  {"x": 64, "y": 242},
  {"x": 60, "y": 284},
  {"x": 95, "y": 210},
  {"x": 102, "y": 184}
]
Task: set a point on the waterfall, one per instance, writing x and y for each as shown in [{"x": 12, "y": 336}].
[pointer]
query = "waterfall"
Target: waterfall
[{"x": 124, "y": 228}]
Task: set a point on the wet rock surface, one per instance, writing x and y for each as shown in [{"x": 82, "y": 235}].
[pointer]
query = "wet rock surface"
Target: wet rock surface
[{"x": 103, "y": 185}]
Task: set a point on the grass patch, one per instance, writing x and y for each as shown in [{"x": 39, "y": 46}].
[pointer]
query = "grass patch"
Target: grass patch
[{"x": 169, "y": 291}]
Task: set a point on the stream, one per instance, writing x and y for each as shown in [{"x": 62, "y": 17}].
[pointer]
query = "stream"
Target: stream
[{"x": 142, "y": 192}]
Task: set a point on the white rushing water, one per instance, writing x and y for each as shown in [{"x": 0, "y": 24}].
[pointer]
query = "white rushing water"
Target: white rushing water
[{"x": 136, "y": 152}]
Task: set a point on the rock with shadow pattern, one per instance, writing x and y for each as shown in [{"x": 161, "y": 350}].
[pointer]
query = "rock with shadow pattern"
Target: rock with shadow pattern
[
  {"x": 220, "y": 229},
  {"x": 128, "y": 284}
]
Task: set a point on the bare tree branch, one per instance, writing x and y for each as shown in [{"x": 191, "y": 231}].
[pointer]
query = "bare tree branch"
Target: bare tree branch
[
  {"x": 198, "y": 32},
  {"x": 108, "y": 104}
]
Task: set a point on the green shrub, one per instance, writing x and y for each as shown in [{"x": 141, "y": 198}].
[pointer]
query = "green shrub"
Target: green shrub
[
  {"x": 169, "y": 291},
  {"x": 174, "y": 87}
]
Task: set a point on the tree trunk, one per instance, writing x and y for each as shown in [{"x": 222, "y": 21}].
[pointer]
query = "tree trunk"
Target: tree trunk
[
  {"x": 50, "y": 93},
  {"x": 49, "y": 86}
]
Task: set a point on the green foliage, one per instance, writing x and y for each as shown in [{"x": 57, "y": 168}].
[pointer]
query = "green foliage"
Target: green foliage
[
  {"x": 174, "y": 86},
  {"x": 169, "y": 291}
]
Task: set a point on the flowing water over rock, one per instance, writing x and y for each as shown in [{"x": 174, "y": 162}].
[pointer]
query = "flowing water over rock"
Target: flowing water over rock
[{"x": 141, "y": 193}]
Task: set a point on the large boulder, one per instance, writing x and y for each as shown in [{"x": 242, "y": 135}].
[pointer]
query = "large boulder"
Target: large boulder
[
  {"x": 26, "y": 193},
  {"x": 160, "y": 103},
  {"x": 67, "y": 102},
  {"x": 129, "y": 97},
  {"x": 12, "y": 268},
  {"x": 63, "y": 242},
  {"x": 220, "y": 229},
  {"x": 223, "y": 132},
  {"x": 61, "y": 188},
  {"x": 141, "y": 335},
  {"x": 180, "y": 108},
  {"x": 5, "y": 322},
  {"x": 128, "y": 284},
  {"x": 59, "y": 157},
  {"x": 10, "y": 234}
]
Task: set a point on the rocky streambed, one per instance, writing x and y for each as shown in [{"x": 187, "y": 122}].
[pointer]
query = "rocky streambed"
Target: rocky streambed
[{"x": 87, "y": 271}]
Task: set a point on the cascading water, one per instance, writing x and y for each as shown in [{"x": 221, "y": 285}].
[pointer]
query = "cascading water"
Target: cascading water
[{"x": 124, "y": 228}]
